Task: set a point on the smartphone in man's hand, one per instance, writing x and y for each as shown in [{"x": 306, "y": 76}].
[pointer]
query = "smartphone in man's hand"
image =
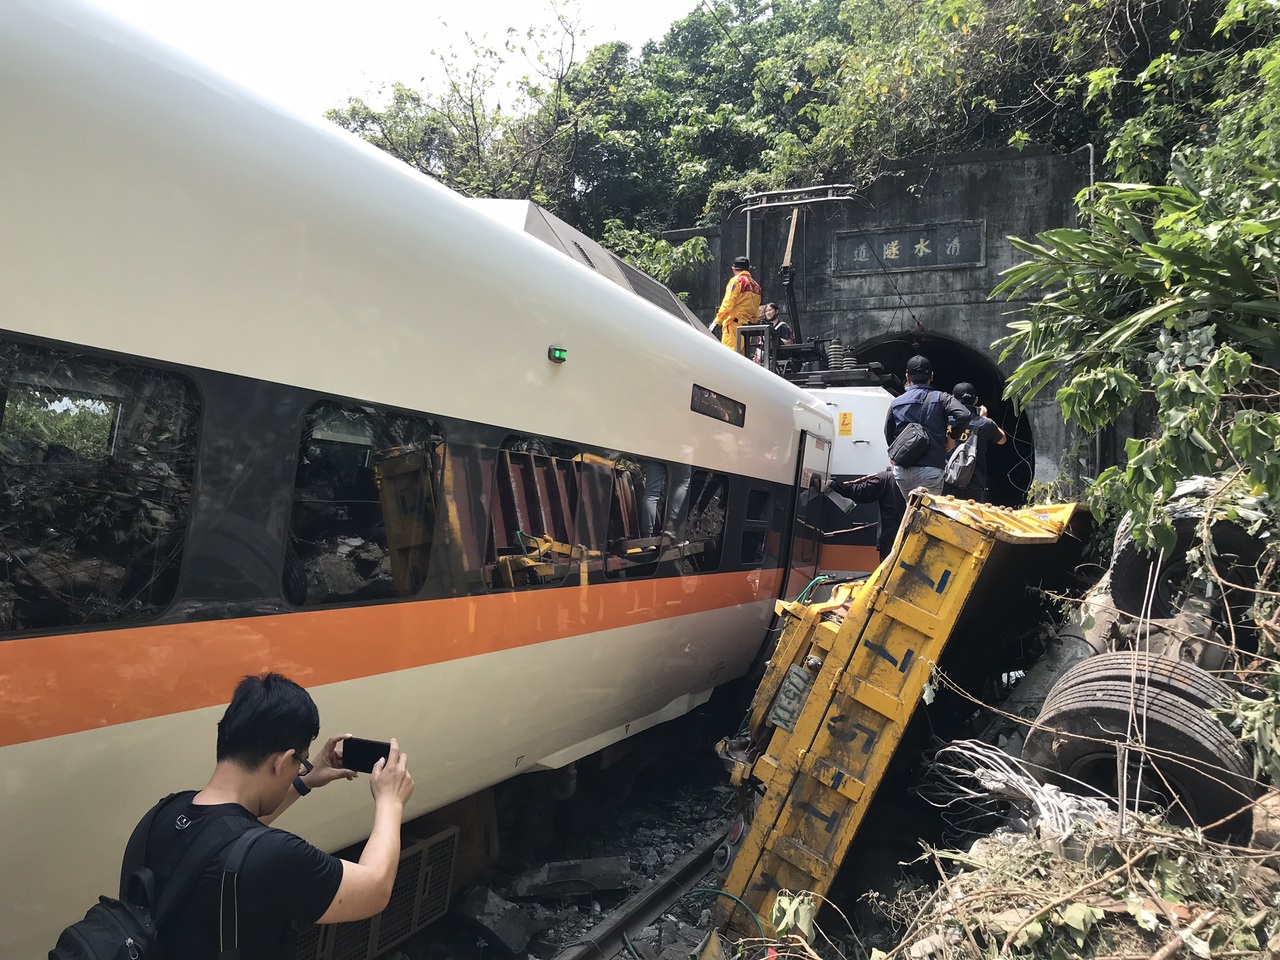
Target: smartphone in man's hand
[{"x": 360, "y": 755}]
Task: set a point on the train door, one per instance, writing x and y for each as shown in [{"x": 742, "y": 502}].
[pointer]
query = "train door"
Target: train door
[{"x": 806, "y": 523}]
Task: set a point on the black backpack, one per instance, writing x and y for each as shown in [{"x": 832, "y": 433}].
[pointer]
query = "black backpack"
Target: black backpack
[
  {"x": 913, "y": 442},
  {"x": 126, "y": 929}
]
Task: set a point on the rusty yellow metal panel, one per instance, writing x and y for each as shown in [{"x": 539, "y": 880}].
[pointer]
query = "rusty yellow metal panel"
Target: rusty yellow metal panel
[
  {"x": 406, "y": 478},
  {"x": 841, "y": 685}
]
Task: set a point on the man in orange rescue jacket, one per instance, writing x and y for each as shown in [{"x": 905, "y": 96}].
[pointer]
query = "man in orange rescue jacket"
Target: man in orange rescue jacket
[{"x": 741, "y": 303}]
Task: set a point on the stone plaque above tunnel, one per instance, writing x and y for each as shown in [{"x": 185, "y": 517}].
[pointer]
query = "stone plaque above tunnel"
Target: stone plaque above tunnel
[{"x": 925, "y": 246}]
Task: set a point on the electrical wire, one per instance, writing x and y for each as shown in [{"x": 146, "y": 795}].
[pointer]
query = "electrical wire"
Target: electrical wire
[
  {"x": 723, "y": 29},
  {"x": 974, "y": 779},
  {"x": 742, "y": 903},
  {"x": 816, "y": 581}
]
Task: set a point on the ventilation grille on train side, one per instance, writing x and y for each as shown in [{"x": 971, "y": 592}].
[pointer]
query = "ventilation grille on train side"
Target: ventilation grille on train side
[
  {"x": 645, "y": 286},
  {"x": 585, "y": 256},
  {"x": 420, "y": 896}
]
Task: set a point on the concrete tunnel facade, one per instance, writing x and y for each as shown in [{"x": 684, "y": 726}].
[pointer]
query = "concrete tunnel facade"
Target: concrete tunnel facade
[{"x": 906, "y": 266}]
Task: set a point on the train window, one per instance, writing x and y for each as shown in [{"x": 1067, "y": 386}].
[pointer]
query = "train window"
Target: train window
[
  {"x": 718, "y": 407},
  {"x": 532, "y": 514},
  {"x": 755, "y": 528},
  {"x": 96, "y": 464},
  {"x": 635, "y": 539},
  {"x": 364, "y": 505},
  {"x": 704, "y": 528}
]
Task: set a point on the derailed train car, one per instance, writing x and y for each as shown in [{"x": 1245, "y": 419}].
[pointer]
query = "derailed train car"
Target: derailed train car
[{"x": 271, "y": 400}]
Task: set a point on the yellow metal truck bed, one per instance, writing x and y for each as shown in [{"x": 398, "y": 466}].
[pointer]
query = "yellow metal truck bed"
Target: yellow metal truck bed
[{"x": 842, "y": 684}]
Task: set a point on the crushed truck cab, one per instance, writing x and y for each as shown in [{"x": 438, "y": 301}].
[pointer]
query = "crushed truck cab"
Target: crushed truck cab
[{"x": 848, "y": 673}]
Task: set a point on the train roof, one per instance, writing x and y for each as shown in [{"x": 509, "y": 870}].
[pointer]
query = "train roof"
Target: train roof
[
  {"x": 167, "y": 212},
  {"x": 527, "y": 216}
]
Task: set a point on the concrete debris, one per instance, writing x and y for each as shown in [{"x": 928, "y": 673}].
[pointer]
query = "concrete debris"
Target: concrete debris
[
  {"x": 568, "y": 878},
  {"x": 1266, "y": 827},
  {"x": 620, "y": 841},
  {"x": 934, "y": 944},
  {"x": 505, "y": 925}
]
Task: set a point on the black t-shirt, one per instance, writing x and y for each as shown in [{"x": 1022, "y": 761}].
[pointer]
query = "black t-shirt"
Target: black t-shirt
[
  {"x": 988, "y": 432},
  {"x": 284, "y": 879}
]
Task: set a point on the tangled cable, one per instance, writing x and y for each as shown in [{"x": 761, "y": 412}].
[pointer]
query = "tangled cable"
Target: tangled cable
[{"x": 979, "y": 779}]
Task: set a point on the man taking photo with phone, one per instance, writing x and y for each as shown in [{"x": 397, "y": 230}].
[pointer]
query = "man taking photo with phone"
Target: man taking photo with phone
[{"x": 263, "y": 766}]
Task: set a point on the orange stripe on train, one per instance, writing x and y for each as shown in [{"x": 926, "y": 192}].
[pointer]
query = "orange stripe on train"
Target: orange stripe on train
[
  {"x": 55, "y": 685},
  {"x": 840, "y": 556}
]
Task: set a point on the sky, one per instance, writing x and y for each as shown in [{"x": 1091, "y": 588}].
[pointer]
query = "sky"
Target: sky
[{"x": 313, "y": 54}]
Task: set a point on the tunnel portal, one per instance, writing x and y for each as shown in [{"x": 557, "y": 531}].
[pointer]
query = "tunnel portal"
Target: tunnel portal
[{"x": 1010, "y": 467}]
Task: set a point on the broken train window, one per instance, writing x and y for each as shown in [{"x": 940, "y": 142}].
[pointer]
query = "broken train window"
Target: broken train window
[
  {"x": 635, "y": 537},
  {"x": 532, "y": 539},
  {"x": 704, "y": 526},
  {"x": 364, "y": 505},
  {"x": 96, "y": 464},
  {"x": 755, "y": 528}
]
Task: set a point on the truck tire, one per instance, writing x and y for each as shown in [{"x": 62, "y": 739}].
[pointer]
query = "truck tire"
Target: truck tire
[
  {"x": 1195, "y": 769},
  {"x": 1194, "y": 685}
]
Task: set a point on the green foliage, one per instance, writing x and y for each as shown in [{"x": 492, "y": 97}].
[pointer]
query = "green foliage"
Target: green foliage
[
  {"x": 747, "y": 95},
  {"x": 792, "y": 915},
  {"x": 1169, "y": 293},
  {"x": 463, "y": 136},
  {"x": 658, "y": 258},
  {"x": 1258, "y": 720},
  {"x": 46, "y": 417}
]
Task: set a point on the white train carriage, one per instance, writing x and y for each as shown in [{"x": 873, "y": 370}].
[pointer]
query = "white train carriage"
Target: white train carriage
[{"x": 269, "y": 399}]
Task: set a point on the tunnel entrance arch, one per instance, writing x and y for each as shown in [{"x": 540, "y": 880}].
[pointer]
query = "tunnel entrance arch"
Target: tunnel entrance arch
[{"x": 1011, "y": 467}]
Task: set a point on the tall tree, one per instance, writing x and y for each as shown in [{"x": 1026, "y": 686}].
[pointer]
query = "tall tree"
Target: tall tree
[
  {"x": 1171, "y": 290},
  {"x": 742, "y": 95}
]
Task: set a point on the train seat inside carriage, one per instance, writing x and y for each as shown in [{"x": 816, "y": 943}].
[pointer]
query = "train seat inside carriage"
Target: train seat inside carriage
[
  {"x": 99, "y": 455},
  {"x": 555, "y": 511},
  {"x": 536, "y": 513}
]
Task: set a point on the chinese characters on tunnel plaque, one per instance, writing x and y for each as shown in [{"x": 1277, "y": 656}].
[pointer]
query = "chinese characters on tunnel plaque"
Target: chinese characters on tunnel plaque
[{"x": 921, "y": 247}]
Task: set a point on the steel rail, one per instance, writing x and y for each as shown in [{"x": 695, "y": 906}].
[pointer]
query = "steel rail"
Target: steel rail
[{"x": 635, "y": 913}]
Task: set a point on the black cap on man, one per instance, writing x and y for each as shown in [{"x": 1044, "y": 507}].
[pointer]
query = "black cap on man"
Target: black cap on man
[{"x": 919, "y": 369}]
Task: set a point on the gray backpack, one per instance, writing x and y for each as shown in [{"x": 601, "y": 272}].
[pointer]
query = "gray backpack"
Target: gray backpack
[{"x": 962, "y": 462}]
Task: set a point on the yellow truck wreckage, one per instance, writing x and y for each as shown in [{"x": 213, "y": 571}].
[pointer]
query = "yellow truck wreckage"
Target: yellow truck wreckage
[{"x": 844, "y": 680}]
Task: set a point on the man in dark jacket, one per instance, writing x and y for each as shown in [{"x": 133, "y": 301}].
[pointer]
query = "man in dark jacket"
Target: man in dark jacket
[{"x": 943, "y": 417}]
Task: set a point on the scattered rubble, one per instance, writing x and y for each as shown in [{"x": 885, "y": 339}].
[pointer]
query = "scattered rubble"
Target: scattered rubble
[
  {"x": 1141, "y": 890},
  {"x": 624, "y": 847},
  {"x": 571, "y": 878},
  {"x": 1050, "y": 875},
  {"x": 504, "y": 924}
]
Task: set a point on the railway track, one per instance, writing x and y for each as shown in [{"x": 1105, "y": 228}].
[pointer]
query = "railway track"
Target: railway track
[{"x": 609, "y": 937}]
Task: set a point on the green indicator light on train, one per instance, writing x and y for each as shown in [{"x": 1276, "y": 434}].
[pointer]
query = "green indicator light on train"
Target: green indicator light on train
[{"x": 557, "y": 354}]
